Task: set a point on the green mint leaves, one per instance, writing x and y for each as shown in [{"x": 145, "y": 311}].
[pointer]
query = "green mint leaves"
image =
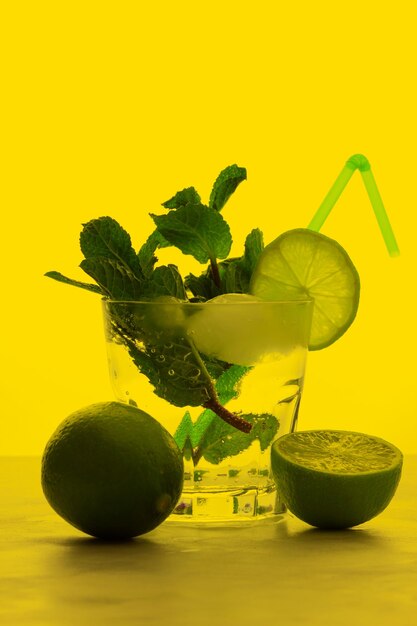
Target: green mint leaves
[
  {"x": 222, "y": 440},
  {"x": 166, "y": 359},
  {"x": 227, "y": 388},
  {"x": 190, "y": 225},
  {"x": 182, "y": 198},
  {"x": 226, "y": 184},
  {"x": 214, "y": 439},
  {"x": 234, "y": 274},
  {"x": 177, "y": 372},
  {"x": 254, "y": 246},
  {"x": 196, "y": 230},
  {"x": 75, "y": 283},
  {"x": 105, "y": 238},
  {"x": 165, "y": 281},
  {"x": 146, "y": 254},
  {"x": 119, "y": 272},
  {"x": 115, "y": 279}
]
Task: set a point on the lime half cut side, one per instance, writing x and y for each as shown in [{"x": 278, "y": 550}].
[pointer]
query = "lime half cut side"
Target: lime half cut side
[
  {"x": 335, "y": 478},
  {"x": 301, "y": 263}
]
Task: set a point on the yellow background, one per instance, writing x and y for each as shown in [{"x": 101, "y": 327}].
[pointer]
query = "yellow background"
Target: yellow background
[{"x": 109, "y": 108}]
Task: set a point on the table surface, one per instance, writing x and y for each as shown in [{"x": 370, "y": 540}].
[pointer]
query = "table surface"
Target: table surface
[{"x": 288, "y": 572}]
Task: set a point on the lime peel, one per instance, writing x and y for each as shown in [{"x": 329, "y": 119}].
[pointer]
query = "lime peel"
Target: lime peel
[
  {"x": 333, "y": 478},
  {"x": 301, "y": 263},
  {"x": 112, "y": 471}
]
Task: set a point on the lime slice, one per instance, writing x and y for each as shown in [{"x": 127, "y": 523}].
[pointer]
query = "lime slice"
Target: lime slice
[
  {"x": 302, "y": 263},
  {"x": 335, "y": 478}
]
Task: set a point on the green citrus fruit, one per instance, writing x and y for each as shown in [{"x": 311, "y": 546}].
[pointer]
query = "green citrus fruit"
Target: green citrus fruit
[
  {"x": 112, "y": 471},
  {"x": 301, "y": 263},
  {"x": 335, "y": 478}
]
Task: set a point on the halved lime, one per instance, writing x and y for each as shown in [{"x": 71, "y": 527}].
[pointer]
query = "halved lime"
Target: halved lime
[
  {"x": 335, "y": 478},
  {"x": 302, "y": 263}
]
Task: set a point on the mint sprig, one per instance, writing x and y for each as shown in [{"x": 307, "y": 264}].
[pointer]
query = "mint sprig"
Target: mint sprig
[
  {"x": 216, "y": 440},
  {"x": 199, "y": 230},
  {"x": 227, "y": 388},
  {"x": 179, "y": 373}
]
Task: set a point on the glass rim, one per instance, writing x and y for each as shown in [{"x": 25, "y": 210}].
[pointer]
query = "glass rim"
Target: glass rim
[{"x": 306, "y": 300}]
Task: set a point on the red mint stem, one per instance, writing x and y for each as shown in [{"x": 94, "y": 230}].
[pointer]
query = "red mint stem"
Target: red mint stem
[{"x": 231, "y": 418}]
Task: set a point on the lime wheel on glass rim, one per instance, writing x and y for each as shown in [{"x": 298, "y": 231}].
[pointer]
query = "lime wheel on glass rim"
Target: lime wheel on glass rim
[
  {"x": 333, "y": 478},
  {"x": 301, "y": 263}
]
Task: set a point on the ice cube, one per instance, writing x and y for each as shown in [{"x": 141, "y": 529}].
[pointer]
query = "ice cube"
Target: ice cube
[{"x": 240, "y": 329}]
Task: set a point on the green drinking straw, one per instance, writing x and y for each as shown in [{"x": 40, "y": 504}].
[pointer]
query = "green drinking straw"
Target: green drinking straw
[{"x": 361, "y": 163}]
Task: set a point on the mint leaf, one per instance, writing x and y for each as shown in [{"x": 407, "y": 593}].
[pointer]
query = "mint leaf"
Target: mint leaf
[
  {"x": 196, "y": 230},
  {"x": 165, "y": 281},
  {"x": 181, "y": 380},
  {"x": 160, "y": 350},
  {"x": 202, "y": 286},
  {"x": 182, "y": 198},
  {"x": 227, "y": 386},
  {"x": 215, "y": 367},
  {"x": 236, "y": 273},
  {"x": 76, "y": 283},
  {"x": 254, "y": 246},
  {"x": 146, "y": 254},
  {"x": 120, "y": 331},
  {"x": 225, "y": 184},
  {"x": 234, "y": 278},
  {"x": 117, "y": 281},
  {"x": 104, "y": 237},
  {"x": 222, "y": 440},
  {"x": 184, "y": 431},
  {"x": 171, "y": 369}
]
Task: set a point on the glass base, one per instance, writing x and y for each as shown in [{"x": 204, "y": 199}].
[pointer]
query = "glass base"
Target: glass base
[{"x": 229, "y": 506}]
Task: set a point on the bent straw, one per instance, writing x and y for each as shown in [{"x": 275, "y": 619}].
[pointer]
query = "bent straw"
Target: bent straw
[
  {"x": 330, "y": 200},
  {"x": 380, "y": 212},
  {"x": 360, "y": 162}
]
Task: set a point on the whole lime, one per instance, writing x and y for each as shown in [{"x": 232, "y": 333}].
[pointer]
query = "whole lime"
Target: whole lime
[{"x": 112, "y": 471}]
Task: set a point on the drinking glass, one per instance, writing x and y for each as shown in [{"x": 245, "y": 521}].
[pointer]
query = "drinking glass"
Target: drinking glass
[{"x": 187, "y": 363}]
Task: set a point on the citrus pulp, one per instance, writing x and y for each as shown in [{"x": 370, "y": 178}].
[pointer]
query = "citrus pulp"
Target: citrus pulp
[
  {"x": 301, "y": 263},
  {"x": 335, "y": 479}
]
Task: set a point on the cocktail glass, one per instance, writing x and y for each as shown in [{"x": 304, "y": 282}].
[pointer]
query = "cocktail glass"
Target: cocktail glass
[{"x": 185, "y": 362}]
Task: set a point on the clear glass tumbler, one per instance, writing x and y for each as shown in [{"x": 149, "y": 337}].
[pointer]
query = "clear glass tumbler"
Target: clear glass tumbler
[{"x": 194, "y": 365}]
